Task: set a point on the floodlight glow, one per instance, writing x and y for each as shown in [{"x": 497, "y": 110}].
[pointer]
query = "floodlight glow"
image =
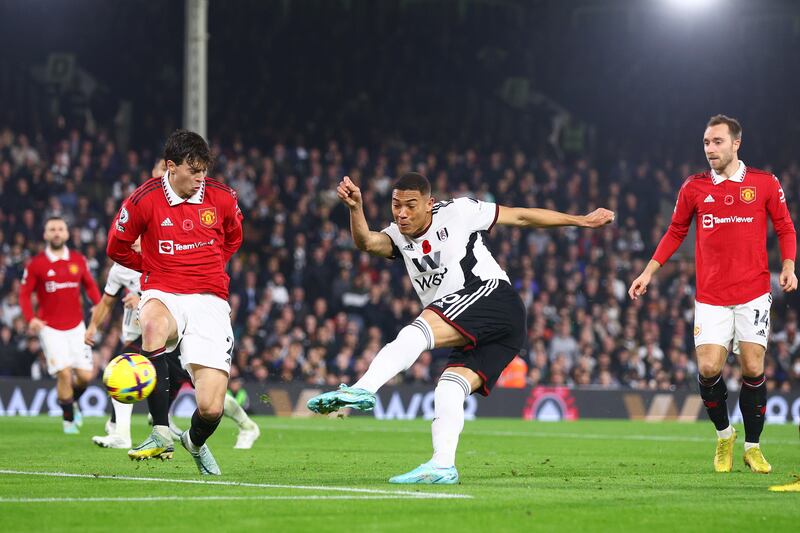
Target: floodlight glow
[{"x": 691, "y": 5}]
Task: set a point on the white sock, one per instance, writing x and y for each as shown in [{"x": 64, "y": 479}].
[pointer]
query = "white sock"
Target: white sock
[
  {"x": 398, "y": 355},
  {"x": 448, "y": 420},
  {"x": 163, "y": 432},
  {"x": 725, "y": 433},
  {"x": 122, "y": 412},
  {"x": 748, "y": 445},
  {"x": 232, "y": 409}
]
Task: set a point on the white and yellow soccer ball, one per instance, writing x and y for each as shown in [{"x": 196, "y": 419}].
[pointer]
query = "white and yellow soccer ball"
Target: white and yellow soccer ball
[{"x": 129, "y": 378}]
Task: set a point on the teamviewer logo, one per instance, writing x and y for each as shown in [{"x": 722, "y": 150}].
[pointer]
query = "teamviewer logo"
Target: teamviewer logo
[
  {"x": 166, "y": 247},
  {"x": 708, "y": 221}
]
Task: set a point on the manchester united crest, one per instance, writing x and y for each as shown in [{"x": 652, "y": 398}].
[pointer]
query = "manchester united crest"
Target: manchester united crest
[
  {"x": 747, "y": 194},
  {"x": 208, "y": 216}
]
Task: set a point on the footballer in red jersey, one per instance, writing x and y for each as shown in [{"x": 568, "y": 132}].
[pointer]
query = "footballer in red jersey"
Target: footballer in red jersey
[
  {"x": 56, "y": 276},
  {"x": 730, "y": 204},
  {"x": 190, "y": 226}
]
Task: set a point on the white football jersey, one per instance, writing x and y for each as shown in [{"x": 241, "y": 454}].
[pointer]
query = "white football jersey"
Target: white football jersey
[
  {"x": 120, "y": 277},
  {"x": 451, "y": 253}
]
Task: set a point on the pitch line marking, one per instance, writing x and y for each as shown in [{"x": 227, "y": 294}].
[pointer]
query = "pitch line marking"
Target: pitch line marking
[
  {"x": 394, "y": 493},
  {"x": 206, "y": 498}
]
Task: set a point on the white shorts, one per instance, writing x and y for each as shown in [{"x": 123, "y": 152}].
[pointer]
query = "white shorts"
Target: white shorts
[
  {"x": 65, "y": 348},
  {"x": 731, "y": 324},
  {"x": 205, "y": 335}
]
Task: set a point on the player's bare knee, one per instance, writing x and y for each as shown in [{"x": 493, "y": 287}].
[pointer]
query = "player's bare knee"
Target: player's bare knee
[
  {"x": 708, "y": 369},
  {"x": 752, "y": 367},
  {"x": 209, "y": 411}
]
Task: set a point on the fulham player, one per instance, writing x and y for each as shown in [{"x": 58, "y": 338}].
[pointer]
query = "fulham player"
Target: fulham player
[
  {"x": 190, "y": 226},
  {"x": 56, "y": 275},
  {"x": 731, "y": 203},
  {"x": 470, "y": 305}
]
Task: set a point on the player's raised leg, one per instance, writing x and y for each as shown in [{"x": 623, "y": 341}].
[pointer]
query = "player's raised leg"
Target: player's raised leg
[
  {"x": 211, "y": 385},
  {"x": 753, "y": 405},
  {"x": 392, "y": 359},
  {"x": 710, "y": 360},
  {"x": 158, "y": 326}
]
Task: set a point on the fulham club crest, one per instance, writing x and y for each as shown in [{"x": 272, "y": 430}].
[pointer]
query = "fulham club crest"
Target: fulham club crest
[{"x": 442, "y": 234}]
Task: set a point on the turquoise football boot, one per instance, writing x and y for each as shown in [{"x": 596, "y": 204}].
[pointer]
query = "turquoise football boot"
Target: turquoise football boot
[
  {"x": 205, "y": 462},
  {"x": 428, "y": 474},
  {"x": 345, "y": 396}
]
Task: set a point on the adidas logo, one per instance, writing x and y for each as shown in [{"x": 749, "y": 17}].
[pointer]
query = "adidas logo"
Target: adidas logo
[
  {"x": 709, "y": 199},
  {"x": 761, "y": 333},
  {"x": 51, "y": 272},
  {"x": 408, "y": 247},
  {"x": 166, "y": 223}
]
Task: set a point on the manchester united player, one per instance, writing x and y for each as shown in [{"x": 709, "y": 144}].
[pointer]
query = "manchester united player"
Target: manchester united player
[
  {"x": 190, "y": 227},
  {"x": 731, "y": 202},
  {"x": 56, "y": 276}
]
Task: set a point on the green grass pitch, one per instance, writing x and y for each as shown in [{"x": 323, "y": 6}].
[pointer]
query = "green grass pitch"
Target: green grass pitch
[{"x": 329, "y": 474}]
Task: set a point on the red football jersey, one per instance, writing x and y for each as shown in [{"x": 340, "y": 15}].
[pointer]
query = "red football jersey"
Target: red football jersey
[
  {"x": 731, "y": 228},
  {"x": 57, "y": 283},
  {"x": 185, "y": 242}
]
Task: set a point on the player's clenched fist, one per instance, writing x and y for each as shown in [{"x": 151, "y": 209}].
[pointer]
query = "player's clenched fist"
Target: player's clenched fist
[
  {"x": 349, "y": 193},
  {"x": 599, "y": 217}
]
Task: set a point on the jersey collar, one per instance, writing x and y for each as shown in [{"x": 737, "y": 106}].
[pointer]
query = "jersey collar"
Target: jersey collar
[
  {"x": 53, "y": 257},
  {"x": 738, "y": 176},
  {"x": 172, "y": 197}
]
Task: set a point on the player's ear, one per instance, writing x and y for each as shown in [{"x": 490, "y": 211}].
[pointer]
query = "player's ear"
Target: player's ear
[{"x": 431, "y": 201}]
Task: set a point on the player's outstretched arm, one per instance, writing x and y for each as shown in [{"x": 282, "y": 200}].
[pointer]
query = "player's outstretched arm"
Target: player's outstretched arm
[
  {"x": 374, "y": 242},
  {"x": 639, "y": 285},
  {"x": 99, "y": 314},
  {"x": 531, "y": 217}
]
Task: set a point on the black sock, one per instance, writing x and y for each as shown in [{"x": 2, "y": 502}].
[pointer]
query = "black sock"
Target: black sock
[
  {"x": 201, "y": 428},
  {"x": 753, "y": 404},
  {"x": 77, "y": 392},
  {"x": 113, "y": 414},
  {"x": 714, "y": 393},
  {"x": 158, "y": 401},
  {"x": 66, "y": 406},
  {"x": 176, "y": 375}
]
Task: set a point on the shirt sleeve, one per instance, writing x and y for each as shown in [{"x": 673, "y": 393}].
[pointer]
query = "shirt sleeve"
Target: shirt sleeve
[
  {"x": 30, "y": 280},
  {"x": 391, "y": 231},
  {"x": 89, "y": 284},
  {"x": 678, "y": 227},
  {"x": 113, "y": 282},
  {"x": 126, "y": 227},
  {"x": 232, "y": 226},
  {"x": 477, "y": 215},
  {"x": 782, "y": 221}
]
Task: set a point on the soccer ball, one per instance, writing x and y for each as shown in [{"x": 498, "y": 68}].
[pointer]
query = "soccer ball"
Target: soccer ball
[{"x": 129, "y": 378}]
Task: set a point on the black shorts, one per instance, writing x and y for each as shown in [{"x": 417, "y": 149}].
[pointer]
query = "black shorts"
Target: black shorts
[
  {"x": 177, "y": 374},
  {"x": 491, "y": 316}
]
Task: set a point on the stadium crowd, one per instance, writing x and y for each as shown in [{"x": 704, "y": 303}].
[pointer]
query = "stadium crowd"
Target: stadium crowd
[{"x": 307, "y": 306}]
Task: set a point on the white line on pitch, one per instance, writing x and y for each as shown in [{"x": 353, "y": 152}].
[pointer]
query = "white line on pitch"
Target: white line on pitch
[
  {"x": 152, "y": 499},
  {"x": 497, "y": 433},
  {"x": 397, "y": 493}
]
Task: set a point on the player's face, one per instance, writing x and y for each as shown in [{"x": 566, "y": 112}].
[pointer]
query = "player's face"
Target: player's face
[
  {"x": 720, "y": 146},
  {"x": 185, "y": 178},
  {"x": 159, "y": 169},
  {"x": 55, "y": 234},
  {"x": 411, "y": 211}
]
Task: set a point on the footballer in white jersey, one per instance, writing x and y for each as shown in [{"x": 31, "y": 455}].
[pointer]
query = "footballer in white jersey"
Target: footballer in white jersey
[
  {"x": 119, "y": 279},
  {"x": 451, "y": 253},
  {"x": 470, "y": 305}
]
